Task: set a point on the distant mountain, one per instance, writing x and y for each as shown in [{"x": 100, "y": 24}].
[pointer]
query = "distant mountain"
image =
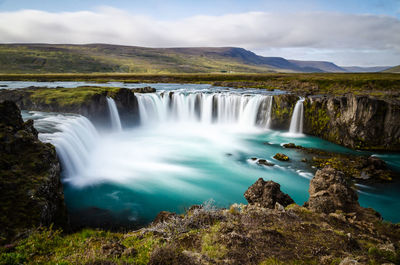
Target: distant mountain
[
  {"x": 105, "y": 58},
  {"x": 358, "y": 69},
  {"x": 318, "y": 66},
  {"x": 395, "y": 69}
]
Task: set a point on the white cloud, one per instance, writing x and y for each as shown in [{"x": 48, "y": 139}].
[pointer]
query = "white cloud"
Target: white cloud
[{"x": 255, "y": 30}]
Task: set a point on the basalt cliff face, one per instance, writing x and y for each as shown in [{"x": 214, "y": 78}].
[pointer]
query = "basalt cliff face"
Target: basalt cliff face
[
  {"x": 357, "y": 122},
  {"x": 31, "y": 192}
]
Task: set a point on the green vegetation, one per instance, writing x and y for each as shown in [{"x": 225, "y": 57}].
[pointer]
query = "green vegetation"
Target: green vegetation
[
  {"x": 68, "y": 96},
  {"x": 252, "y": 235},
  {"x": 395, "y": 69},
  {"x": 376, "y": 84},
  {"x": 98, "y": 58}
]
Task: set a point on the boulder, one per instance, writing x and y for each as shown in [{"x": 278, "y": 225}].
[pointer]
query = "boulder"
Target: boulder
[
  {"x": 264, "y": 162},
  {"x": 267, "y": 194},
  {"x": 290, "y": 145},
  {"x": 329, "y": 192},
  {"x": 281, "y": 157}
]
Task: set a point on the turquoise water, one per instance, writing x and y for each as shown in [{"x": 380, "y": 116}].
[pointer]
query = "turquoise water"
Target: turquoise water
[
  {"x": 210, "y": 171},
  {"x": 168, "y": 166}
]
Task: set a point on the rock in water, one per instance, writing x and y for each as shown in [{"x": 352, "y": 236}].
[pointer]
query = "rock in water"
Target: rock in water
[
  {"x": 329, "y": 191},
  {"x": 31, "y": 192},
  {"x": 267, "y": 194},
  {"x": 281, "y": 157}
]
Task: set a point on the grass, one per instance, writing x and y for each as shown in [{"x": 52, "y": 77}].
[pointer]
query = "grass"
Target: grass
[
  {"x": 68, "y": 96},
  {"x": 375, "y": 84},
  {"x": 43, "y": 58},
  {"x": 251, "y": 236}
]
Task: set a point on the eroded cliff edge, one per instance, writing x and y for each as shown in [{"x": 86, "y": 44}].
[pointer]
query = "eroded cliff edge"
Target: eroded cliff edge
[
  {"x": 31, "y": 192},
  {"x": 89, "y": 101},
  {"x": 357, "y": 122}
]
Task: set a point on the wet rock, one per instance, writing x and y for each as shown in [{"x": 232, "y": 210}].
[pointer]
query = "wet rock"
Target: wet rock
[
  {"x": 290, "y": 145},
  {"x": 264, "y": 162},
  {"x": 163, "y": 216},
  {"x": 329, "y": 192},
  {"x": 281, "y": 157},
  {"x": 267, "y": 194}
]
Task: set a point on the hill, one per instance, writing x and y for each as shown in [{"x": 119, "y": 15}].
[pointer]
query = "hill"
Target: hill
[
  {"x": 104, "y": 58},
  {"x": 318, "y": 66},
  {"x": 395, "y": 69},
  {"x": 372, "y": 69}
]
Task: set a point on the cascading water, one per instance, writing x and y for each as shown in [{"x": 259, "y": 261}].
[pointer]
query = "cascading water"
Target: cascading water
[
  {"x": 193, "y": 145},
  {"x": 296, "y": 123},
  {"x": 114, "y": 116},
  {"x": 74, "y": 140},
  {"x": 207, "y": 108}
]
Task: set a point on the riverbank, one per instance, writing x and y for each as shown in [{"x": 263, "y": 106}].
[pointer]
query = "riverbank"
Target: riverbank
[{"x": 380, "y": 85}]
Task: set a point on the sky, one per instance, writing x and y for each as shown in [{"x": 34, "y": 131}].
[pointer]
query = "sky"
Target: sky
[{"x": 352, "y": 32}]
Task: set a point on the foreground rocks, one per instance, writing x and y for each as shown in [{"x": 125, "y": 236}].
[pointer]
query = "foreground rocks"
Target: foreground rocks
[
  {"x": 262, "y": 232},
  {"x": 31, "y": 193},
  {"x": 330, "y": 192},
  {"x": 266, "y": 194}
]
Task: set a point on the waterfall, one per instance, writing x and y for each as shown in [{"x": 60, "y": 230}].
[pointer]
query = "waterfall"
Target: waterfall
[
  {"x": 296, "y": 123},
  {"x": 222, "y": 108},
  {"x": 74, "y": 141},
  {"x": 114, "y": 116}
]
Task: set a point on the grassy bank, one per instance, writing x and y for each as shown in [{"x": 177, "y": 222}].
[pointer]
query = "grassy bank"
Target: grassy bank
[{"x": 376, "y": 84}]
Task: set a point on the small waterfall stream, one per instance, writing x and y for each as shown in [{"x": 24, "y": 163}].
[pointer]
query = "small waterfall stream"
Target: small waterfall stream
[
  {"x": 114, "y": 116},
  {"x": 296, "y": 123}
]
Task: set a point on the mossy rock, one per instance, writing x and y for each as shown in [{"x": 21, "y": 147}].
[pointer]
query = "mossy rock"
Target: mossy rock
[{"x": 281, "y": 157}]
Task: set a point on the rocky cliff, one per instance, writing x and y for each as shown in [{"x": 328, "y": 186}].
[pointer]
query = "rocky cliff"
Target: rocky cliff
[
  {"x": 357, "y": 122},
  {"x": 31, "y": 192},
  {"x": 87, "y": 101}
]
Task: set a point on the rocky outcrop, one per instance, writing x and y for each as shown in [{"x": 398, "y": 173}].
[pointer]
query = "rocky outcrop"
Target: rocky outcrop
[
  {"x": 358, "y": 122},
  {"x": 331, "y": 192},
  {"x": 282, "y": 110},
  {"x": 90, "y": 102},
  {"x": 266, "y": 194},
  {"x": 31, "y": 192}
]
